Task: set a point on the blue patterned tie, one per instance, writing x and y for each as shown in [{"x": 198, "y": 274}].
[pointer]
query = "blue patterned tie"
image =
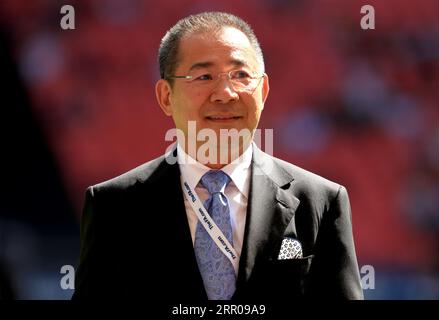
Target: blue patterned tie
[{"x": 217, "y": 271}]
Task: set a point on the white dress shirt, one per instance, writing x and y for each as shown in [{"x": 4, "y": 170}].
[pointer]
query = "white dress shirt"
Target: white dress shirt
[{"x": 236, "y": 191}]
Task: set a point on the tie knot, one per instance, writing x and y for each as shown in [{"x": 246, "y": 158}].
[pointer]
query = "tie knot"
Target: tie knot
[{"x": 215, "y": 181}]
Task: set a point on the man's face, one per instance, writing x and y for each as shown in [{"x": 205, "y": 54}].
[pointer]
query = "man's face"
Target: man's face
[{"x": 219, "y": 106}]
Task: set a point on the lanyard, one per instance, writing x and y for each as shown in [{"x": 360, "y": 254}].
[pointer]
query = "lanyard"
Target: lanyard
[{"x": 212, "y": 229}]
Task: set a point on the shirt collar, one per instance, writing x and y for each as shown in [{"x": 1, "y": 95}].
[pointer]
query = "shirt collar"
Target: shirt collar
[
  {"x": 191, "y": 170},
  {"x": 238, "y": 170}
]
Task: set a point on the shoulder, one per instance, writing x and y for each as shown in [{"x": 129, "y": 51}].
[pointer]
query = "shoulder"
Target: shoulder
[
  {"x": 141, "y": 174},
  {"x": 304, "y": 182}
]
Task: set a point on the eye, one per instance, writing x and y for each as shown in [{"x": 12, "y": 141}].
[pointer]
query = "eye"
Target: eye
[
  {"x": 204, "y": 77},
  {"x": 240, "y": 74}
]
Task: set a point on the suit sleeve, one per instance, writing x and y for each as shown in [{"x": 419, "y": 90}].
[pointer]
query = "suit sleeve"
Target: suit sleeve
[
  {"x": 334, "y": 273},
  {"x": 88, "y": 277}
]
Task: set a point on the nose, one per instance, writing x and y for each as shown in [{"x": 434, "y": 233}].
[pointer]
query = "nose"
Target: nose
[{"x": 224, "y": 92}]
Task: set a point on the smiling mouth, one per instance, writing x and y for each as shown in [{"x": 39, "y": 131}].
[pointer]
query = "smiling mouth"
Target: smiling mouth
[{"x": 223, "y": 118}]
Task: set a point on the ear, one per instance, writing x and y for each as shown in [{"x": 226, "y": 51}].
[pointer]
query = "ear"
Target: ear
[
  {"x": 163, "y": 93},
  {"x": 265, "y": 88}
]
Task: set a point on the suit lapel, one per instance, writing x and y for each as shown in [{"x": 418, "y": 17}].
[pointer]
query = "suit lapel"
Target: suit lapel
[
  {"x": 164, "y": 187},
  {"x": 185, "y": 260},
  {"x": 270, "y": 213}
]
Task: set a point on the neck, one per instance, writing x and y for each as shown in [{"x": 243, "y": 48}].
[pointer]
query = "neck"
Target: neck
[
  {"x": 215, "y": 166},
  {"x": 216, "y": 157}
]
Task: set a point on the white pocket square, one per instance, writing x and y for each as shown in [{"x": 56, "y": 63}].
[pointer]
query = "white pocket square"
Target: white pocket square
[{"x": 290, "y": 249}]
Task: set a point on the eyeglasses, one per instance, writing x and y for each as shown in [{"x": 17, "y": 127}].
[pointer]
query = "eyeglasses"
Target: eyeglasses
[{"x": 240, "y": 80}]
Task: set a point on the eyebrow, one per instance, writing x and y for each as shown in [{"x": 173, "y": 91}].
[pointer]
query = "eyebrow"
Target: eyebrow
[{"x": 207, "y": 64}]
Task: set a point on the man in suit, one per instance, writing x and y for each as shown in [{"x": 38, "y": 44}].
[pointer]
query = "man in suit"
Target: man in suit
[{"x": 270, "y": 230}]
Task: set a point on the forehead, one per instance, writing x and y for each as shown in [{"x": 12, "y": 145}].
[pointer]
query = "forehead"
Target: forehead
[{"x": 217, "y": 48}]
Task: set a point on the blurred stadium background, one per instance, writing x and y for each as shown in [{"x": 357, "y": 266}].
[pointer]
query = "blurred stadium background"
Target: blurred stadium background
[{"x": 359, "y": 107}]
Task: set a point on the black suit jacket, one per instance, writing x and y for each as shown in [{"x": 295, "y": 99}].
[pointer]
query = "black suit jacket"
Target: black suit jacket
[{"x": 135, "y": 238}]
